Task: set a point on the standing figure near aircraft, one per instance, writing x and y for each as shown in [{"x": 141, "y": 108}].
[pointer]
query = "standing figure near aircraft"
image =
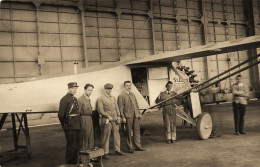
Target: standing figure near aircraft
[
  {"x": 130, "y": 115},
  {"x": 169, "y": 112},
  {"x": 85, "y": 109},
  {"x": 240, "y": 93},
  {"x": 70, "y": 120},
  {"x": 110, "y": 120}
]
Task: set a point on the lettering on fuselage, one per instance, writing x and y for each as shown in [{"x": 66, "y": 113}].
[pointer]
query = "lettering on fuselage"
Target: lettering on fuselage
[{"x": 177, "y": 79}]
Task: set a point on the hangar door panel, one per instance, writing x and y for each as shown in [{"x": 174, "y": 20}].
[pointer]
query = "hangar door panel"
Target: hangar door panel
[{"x": 157, "y": 78}]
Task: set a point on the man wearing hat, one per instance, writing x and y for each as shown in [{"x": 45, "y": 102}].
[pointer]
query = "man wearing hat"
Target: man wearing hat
[
  {"x": 70, "y": 120},
  {"x": 169, "y": 112},
  {"x": 85, "y": 109},
  {"x": 130, "y": 115},
  {"x": 110, "y": 119}
]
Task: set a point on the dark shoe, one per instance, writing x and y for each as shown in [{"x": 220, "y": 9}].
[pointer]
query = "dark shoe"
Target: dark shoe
[
  {"x": 131, "y": 151},
  {"x": 173, "y": 141},
  {"x": 237, "y": 133},
  {"x": 140, "y": 149},
  {"x": 119, "y": 153},
  {"x": 105, "y": 156},
  {"x": 169, "y": 142},
  {"x": 243, "y": 133}
]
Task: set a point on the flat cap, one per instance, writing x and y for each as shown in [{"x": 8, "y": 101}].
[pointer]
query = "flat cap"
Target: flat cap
[
  {"x": 108, "y": 86},
  {"x": 72, "y": 84}
]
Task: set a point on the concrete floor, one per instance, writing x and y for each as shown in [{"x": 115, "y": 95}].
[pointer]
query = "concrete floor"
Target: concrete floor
[{"x": 48, "y": 144}]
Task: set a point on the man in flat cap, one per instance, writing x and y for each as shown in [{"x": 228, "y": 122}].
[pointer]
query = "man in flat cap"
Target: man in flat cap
[
  {"x": 169, "y": 112},
  {"x": 70, "y": 120},
  {"x": 85, "y": 109},
  {"x": 110, "y": 119},
  {"x": 130, "y": 114}
]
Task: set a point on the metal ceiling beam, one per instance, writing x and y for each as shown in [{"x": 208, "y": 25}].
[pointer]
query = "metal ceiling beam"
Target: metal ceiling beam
[
  {"x": 250, "y": 31},
  {"x": 205, "y": 34},
  {"x": 150, "y": 14},
  {"x": 80, "y": 6},
  {"x": 124, "y": 11},
  {"x": 46, "y": 2}
]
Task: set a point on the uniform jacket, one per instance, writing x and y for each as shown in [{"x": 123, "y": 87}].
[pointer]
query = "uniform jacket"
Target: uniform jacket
[
  {"x": 85, "y": 107},
  {"x": 127, "y": 104},
  {"x": 68, "y": 121},
  {"x": 169, "y": 105},
  {"x": 240, "y": 93},
  {"x": 107, "y": 106}
]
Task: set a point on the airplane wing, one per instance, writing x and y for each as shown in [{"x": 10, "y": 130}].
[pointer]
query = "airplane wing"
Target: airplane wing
[{"x": 200, "y": 51}]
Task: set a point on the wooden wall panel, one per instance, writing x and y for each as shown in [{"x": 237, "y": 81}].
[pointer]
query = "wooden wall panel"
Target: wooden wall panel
[
  {"x": 25, "y": 53},
  {"x": 6, "y": 38},
  {"x": 6, "y": 69},
  {"x": 29, "y": 27},
  {"x": 52, "y": 53},
  {"x": 72, "y": 53},
  {"x": 6, "y": 53},
  {"x": 26, "y": 69},
  {"x": 25, "y": 39},
  {"x": 51, "y": 67}
]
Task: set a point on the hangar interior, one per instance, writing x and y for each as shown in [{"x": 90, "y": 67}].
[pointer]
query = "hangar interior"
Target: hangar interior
[{"x": 42, "y": 38}]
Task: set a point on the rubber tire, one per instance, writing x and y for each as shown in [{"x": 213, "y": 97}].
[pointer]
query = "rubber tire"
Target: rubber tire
[{"x": 204, "y": 120}]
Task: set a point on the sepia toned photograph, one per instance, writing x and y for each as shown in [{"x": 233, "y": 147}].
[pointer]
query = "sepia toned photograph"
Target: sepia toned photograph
[{"x": 129, "y": 83}]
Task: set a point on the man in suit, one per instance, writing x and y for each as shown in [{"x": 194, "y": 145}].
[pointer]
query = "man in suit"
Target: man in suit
[
  {"x": 130, "y": 114},
  {"x": 169, "y": 112},
  {"x": 70, "y": 120},
  {"x": 240, "y": 94},
  {"x": 110, "y": 119},
  {"x": 85, "y": 109}
]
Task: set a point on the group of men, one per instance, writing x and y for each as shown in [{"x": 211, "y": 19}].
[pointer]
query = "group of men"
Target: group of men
[{"x": 76, "y": 119}]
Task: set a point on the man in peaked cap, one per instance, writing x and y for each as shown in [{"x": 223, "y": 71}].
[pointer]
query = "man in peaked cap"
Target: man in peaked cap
[
  {"x": 70, "y": 120},
  {"x": 110, "y": 119}
]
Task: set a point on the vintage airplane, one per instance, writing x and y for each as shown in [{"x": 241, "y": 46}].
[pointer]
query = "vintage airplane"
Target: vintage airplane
[{"x": 42, "y": 94}]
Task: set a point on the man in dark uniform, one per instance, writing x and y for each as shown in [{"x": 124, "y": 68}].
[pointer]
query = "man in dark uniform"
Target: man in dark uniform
[
  {"x": 70, "y": 120},
  {"x": 130, "y": 114}
]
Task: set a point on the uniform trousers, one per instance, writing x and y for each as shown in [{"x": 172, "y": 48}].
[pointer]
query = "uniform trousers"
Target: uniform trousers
[
  {"x": 169, "y": 119},
  {"x": 73, "y": 146}
]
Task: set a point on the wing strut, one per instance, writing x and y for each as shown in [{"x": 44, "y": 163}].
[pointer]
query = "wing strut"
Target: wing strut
[{"x": 203, "y": 86}]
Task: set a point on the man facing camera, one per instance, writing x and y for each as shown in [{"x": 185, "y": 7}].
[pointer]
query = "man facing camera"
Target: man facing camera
[
  {"x": 130, "y": 115},
  {"x": 70, "y": 120},
  {"x": 110, "y": 119},
  {"x": 169, "y": 112},
  {"x": 85, "y": 109},
  {"x": 240, "y": 93}
]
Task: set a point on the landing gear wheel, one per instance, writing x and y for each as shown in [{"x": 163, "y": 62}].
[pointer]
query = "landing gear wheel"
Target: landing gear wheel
[{"x": 204, "y": 125}]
